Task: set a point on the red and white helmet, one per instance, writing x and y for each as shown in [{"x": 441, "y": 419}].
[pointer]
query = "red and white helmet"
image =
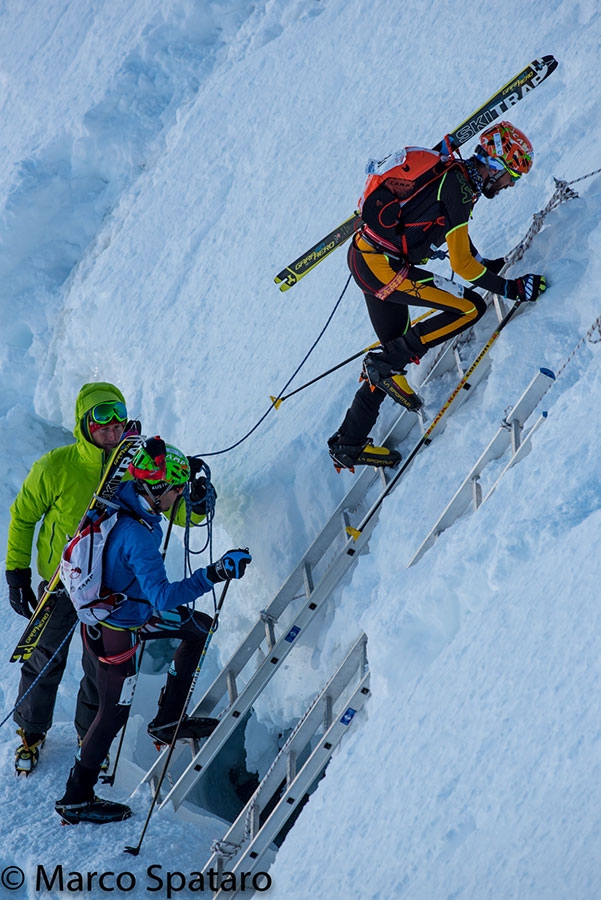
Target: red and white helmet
[{"x": 509, "y": 146}]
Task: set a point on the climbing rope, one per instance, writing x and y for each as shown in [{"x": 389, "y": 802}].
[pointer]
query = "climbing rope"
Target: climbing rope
[
  {"x": 562, "y": 192},
  {"x": 292, "y": 377},
  {"x": 587, "y": 338},
  {"x": 66, "y": 638}
]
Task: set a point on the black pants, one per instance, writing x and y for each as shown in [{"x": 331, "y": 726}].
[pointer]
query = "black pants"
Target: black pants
[
  {"x": 458, "y": 309},
  {"x": 36, "y": 712},
  {"x": 103, "y": 643}
]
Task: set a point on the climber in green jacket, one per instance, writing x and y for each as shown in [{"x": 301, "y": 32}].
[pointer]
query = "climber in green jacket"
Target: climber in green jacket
[{"x": 56, "y": 493}]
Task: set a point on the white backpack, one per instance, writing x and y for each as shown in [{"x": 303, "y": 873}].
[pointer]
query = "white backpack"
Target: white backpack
[{"x": 81, "y": 570}]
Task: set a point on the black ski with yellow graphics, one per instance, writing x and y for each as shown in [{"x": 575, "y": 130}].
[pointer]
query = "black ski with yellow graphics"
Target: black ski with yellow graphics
[
  {"x": 115, "y": 469},
  {"x": 288, "y": 277},
  {"x": 501, "y": 102}
]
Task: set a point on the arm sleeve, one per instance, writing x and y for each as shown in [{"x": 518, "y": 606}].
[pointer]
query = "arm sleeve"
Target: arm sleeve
[
  {"x": 143, "y": 558},
  {"x": 31, "y": 503},
  {"x": 456, "y": 196}
]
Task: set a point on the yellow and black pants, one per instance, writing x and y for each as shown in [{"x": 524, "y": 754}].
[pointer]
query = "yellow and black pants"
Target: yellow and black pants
[{"x": 458, "y": 308}]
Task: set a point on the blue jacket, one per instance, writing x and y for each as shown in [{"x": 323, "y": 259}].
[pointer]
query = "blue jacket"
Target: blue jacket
[{"x": 133, "y": 566}]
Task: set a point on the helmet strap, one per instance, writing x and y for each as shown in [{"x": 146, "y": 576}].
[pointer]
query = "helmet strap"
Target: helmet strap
[
  {"x": 490, "y": 180},
  {"x": 155, "y": 502}
]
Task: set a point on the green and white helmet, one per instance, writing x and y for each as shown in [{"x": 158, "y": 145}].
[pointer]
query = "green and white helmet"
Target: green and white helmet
[{"x": 158, "y": 471}]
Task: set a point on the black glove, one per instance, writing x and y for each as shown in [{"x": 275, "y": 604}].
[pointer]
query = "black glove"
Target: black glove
[
  {"x": 528, "y": 287},
  {"x": 494, "y": 265},
  {"x": 20, "y": 593},
  {"x": 202, "y": 494},
  {"x": 231, "y": 565}
]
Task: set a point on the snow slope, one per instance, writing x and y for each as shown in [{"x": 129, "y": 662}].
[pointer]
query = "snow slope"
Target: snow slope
[{"x": 161, "y": 163}]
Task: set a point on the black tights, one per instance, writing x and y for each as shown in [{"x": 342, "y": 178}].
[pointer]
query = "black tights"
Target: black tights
[{"x": 103, "y": 644}]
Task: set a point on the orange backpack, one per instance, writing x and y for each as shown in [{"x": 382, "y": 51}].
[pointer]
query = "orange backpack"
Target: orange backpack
[{"x": 405, "y": 172}]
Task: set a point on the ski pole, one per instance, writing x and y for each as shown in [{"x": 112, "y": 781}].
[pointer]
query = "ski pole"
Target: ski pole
[
  {"x": 110, "y": 779},
  {"x": 135, "y": 850},
  {"x": 462, "y": 384},
  {"x": 277, "y": 401}
]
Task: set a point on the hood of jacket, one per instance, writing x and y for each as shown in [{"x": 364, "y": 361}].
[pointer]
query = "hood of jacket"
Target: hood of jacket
[{"x": 89, "y": 396}]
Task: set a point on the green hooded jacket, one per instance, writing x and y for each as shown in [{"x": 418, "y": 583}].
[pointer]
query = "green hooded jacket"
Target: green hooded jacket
[{"x": 57, "y": 491}]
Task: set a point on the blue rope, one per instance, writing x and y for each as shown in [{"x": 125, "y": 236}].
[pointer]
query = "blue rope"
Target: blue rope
[{"x": 33, "y": 684}]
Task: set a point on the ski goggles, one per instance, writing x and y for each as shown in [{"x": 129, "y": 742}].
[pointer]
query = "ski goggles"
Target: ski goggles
[
  {"x": 498, "y": 165},
  {"x": 104, "y": 413}
]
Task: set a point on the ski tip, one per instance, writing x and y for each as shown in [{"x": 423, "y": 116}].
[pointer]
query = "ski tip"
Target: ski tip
[{"x": 277, "y": 401}]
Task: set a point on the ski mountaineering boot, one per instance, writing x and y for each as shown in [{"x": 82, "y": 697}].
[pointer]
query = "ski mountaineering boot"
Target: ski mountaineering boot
[
  {"x": 171, "y": 702},
  {"x": 27, "y": 754},
  {"x": 347, "y": 456},
  {"x": 380, "y": 375},
  {"x": 80, "y": 804},
  {"x": 386, "y": 369}
]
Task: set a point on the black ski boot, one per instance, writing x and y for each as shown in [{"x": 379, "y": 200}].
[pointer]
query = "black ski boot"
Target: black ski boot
[
  {"x": 80, "y": 804},
  {"x": 192, "y": 727},
  {"x": 171, "y": 702},
  {"x": 27, "y": 754},
  {"x": 347, "y": 456}
]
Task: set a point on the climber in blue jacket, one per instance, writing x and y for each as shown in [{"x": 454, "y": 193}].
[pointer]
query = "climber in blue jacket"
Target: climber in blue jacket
[{"x": 150, "y": 607}]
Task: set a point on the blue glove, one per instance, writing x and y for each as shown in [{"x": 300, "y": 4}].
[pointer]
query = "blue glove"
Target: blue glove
[{"x": 231, "y": 565}]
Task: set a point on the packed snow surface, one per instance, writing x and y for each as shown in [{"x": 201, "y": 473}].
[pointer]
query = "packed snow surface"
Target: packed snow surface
[{"x": 161, "y": 162}]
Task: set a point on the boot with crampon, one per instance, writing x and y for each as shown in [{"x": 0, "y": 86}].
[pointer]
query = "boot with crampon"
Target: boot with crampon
[
  {"x": 80, "y": 804},
  {"x": 171, "y": 702}
]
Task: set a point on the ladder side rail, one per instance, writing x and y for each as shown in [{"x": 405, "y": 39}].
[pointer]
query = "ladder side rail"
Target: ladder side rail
[
  {"x": 522, "y": 451},
  {"x": 213, "y": 745},
  {"x": 514, "y": 422},
  {"x": 251, "y": 857},
  {"x": 350, "y": 668},
  {"x": 464, "y": 494}
]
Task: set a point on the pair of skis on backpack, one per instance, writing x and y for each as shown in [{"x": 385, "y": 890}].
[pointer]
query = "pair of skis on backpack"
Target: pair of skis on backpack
[
  {"x": 115, "y": 470},
  {"x": 511, "y": 93}
]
